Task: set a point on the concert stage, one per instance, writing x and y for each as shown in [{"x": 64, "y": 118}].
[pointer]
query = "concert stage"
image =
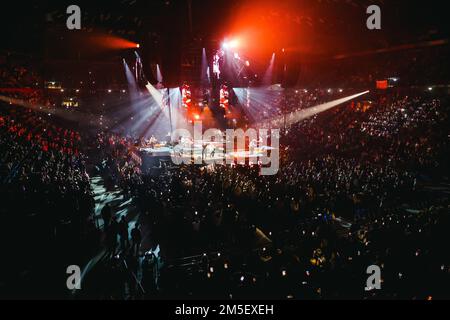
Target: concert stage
[{"x": 200, "y": 152}]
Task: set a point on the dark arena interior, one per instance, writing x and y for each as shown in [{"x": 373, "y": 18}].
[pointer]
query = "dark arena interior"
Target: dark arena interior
[{"x": 224, "y": 150}]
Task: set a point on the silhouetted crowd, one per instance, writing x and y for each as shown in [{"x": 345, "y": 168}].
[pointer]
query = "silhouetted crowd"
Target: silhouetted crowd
[
  {"x": 361, "y": 184},
  {"x": 353, "y": 186}
]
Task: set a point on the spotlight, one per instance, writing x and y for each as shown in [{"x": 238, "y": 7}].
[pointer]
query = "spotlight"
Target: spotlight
[
  {"x": 234, "y": 43},
  {"x": 138, "y": 45},
  {"x": 196, "y": 117},
  {"x": 230, "y": 44},
  {"x": 247, "y": 63},
  {"x": 236, "y": 55}
]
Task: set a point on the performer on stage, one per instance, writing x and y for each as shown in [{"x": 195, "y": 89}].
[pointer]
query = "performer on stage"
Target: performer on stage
[
  {"x": 153, "y": 141},
  {"x": 253, "y": 145},
  {"x": 209, "y": 150},
  {"x": 213, "y": 152}
]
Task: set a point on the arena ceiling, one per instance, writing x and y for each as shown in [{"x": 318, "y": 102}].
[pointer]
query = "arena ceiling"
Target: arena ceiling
[{"x": 313, "y": 26}]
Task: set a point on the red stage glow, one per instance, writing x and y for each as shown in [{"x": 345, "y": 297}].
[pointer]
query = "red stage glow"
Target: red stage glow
[
  {"x": 263, "y": 26},
  {"x": 112, "y": 42}
]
